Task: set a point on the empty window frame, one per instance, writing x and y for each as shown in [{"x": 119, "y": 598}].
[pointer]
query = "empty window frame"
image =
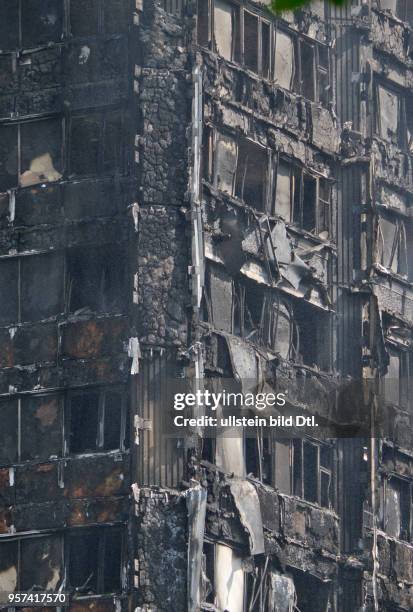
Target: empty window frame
[
  {"x": 396, "y": 498},
  {"x": 32, "y": 287},
  {"x": 30, "y": 153},
  {"x": 257, "y": 44},
  {"x": 312, "y": 464},
  {"x": 218, "y": 27},
  {"x": 303, "y": 66},
  {"x": 94, "y": 279},
  {"x": 305, "y": 69},
  {"x": 402, "y": 9},
  {"x": 390, "y": 115},
  {"x": 392, "y": 245},
  {"x": 303, "y": 199},
  {"x": 96, "y": 420},
  {"x": 29, "y": 23},
  {"x": 226, "y": 29},
  {"x": 303, "y": 467},
  {"x": 396, "y": 382},
  {"x": 221, "y": 20},
  {"x": 93, "y": 17},
  {"x": 95, "y": 560},
  {"x": 96, "y": 144},
  {"x": 241, "y": 169}
]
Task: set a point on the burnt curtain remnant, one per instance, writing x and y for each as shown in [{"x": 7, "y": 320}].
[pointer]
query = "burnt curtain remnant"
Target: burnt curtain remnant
[{"x": 204, "y": 191}]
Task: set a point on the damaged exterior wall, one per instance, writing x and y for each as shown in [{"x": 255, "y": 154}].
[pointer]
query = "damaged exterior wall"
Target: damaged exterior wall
[{"x": 202, "y": 191}]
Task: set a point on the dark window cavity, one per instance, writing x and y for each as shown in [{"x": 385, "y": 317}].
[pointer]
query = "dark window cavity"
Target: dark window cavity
[
  {"x": 251, "y": 41},
  {"x": 96, "y": 420},
  {"x": 41, "y": 291},
  {"x": 94, "y": 279},
  {"x": 33, "y": 287},
  {"x": 95, "y": 560},
  {"x": 41, "y": 22},
  {"x": 312, "y": 335},
  {"x": 8, "y": 432},
  {"x": 9, "y": 290},
  {"x": 96, "y": 145},
  {"x": 30, "y": 23},
  {"x": 93, "y": 17}
]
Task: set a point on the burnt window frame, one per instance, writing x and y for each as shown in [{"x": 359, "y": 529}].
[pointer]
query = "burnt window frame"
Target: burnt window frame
[
  {"x": 406, "y": 531},
  {"x": 269, "y": 319},
  {"x": 19, "y": 150},
  {"x": 298, "y": 466},
  {"x": 64, "y": 416},
  {"x": 210, "y": 164},
  {"x": 102, "y": 391},
  {"x": 405, "y": 378},
  {"x": 320, "y": 69},
  {"x": 261, "y": 22},
  {"x": 92, "y": 250},
  {"x": 238, "y": 49},
  {"x": 63, "y": 288},
  {"x": 297, "y": 171},
  {"x": 63, "y": 538},
  {"x": 101, "y": 532},
  {"x": 102, "y": 115},
  {"x": 400, "y": 244},
  {"x": 320, "y": 321},
  {"x": 60, "y": 255},
  {"x": 258, "y": 449},
  {"x": 401, "y": 139},
  {"x": 209, "y": 18},
  {"x": 19, "y": 543}
]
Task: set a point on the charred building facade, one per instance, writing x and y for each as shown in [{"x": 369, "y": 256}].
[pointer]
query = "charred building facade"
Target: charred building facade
[{"x": 206, "y": 191}]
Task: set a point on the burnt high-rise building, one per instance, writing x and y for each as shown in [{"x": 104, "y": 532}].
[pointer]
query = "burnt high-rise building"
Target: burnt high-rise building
[{"x": 210, "y": 193}]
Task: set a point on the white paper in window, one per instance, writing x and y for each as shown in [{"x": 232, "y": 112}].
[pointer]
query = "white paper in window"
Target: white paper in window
[
  {"x": 229, "y": 582},
  {"x": 225, "y": 163},
  {"x": 284, "y": 60},
  {"x": 389, "y": 110},
  {"x": 223, "y": 28},
  {"x": 283, "y": 194}
]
